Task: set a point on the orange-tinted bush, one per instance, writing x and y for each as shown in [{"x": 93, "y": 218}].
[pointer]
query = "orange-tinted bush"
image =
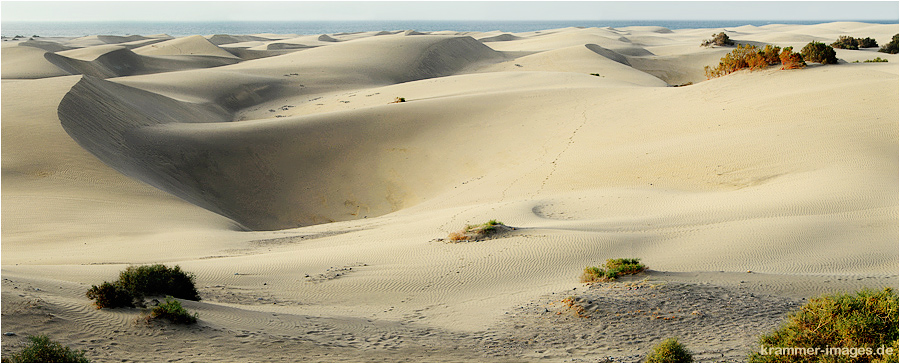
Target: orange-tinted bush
[
  {"x": 748, "y": 56},
  {"x": 791, "y": 60}
]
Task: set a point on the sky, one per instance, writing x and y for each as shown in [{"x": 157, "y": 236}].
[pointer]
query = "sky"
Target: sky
[{"x": 55, "y": 11}]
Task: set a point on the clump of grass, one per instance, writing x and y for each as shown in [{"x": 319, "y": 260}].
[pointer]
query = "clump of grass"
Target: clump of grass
[
  {"x": 173, "y": 311},
  {"x": 877, "y": 59},
  {"x": 859, "y": 327},
  {"x": 43, "y": 350},
  {"x": 595, "y": 74},
  {"x": 670, "y": 351},
  {"x": 135, "y": 283},
  {"x": 477, "y": 232},
  {"x": 614, "y": 268}
]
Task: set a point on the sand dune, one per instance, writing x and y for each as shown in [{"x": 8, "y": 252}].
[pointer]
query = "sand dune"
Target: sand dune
[
  {"x": 194, "y": 46},
  {"x": 220, "y": 39},
  {"x": 314, "y": 210},
  {"x": 27, "y": 62}
]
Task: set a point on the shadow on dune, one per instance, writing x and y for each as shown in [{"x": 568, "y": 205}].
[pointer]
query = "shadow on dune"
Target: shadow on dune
[
  {"x": 124, "y": 62},
  {"x": 264, "y": 174}
]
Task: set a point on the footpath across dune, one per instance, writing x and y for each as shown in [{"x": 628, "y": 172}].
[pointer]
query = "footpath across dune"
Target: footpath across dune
[{"x": 310, "y": 182}]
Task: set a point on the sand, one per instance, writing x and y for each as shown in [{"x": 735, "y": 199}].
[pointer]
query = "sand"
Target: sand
[{"x": 314, "y": 211}]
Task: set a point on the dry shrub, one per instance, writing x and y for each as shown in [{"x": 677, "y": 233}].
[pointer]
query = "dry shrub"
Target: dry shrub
[
  {"x": 753, "y": 58},
  {"x": 720, "y": 39},
  {"x": 478, "y": 232},
  {"x": 791, "y": 60}
]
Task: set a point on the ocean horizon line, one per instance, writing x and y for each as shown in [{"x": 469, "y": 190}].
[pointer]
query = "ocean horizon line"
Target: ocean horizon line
[{"x": 183, "y": 28}]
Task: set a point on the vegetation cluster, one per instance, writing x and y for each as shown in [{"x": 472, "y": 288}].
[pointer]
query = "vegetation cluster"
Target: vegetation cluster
[
  {"x": 753, "y": 58},
  {"x": 892, "y": 46},
  {"x": 173, "y": 311},
  {"x": 670, "y": 351},
  {"x": 135, "y": 283},
  {"x": 43, "y": 350},
  {"x": 875, "y": 60},
  {"x": 614, "y": 268},
  {"x": 819, "y": 52},
  {"x": 720, "y": 39},
  {"x": 476, "y": 232},
  {"x": 837, "y": 328}
]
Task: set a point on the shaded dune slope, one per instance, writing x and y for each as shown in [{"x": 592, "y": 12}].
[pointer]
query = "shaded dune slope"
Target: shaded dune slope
[
  {"x": 265, "y": 174},
  {"x": 382, "y": 60},
  {"x": 116, "y": 61}
]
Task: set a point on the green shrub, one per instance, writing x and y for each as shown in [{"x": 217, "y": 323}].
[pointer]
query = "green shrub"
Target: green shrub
[
  {"x": 614, "y": 268},
  {"x": 720, "y": 39},
  {"x": 819, "y": 52},
  {"x": 173, "y": 311},
  {"x": 846, "y": 42},
  {"x": 670, "y": 351},
  {"x": 43, "y": 350},
  {"x": 877, "y": 59},
  {"x": 157, "y": 279},
  {"x": 110, "y": 295},
  {"x": 771, "y": 54},
  {"x": 866, "y": 42},
  {"x": 837, "y": 328},
  {"x": 148, "y": 280},
  {"x": 892, "y": 46}
]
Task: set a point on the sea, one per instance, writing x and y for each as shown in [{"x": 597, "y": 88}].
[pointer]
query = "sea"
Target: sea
[{"x": 176, "y": 29}]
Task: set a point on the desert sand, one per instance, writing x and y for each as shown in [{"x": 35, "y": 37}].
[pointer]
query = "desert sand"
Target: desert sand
[{"x": 314, "y": 211}]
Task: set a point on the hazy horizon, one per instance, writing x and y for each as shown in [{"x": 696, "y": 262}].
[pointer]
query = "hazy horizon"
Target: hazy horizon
[{"x": 242, "y": 11}]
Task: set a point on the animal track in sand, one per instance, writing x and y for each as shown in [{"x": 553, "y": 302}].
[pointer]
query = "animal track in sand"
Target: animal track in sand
[{"x": 334, "y": 273}]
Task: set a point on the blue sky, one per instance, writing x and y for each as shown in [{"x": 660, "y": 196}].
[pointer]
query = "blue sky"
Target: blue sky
[{"x": 444, "y": 10}]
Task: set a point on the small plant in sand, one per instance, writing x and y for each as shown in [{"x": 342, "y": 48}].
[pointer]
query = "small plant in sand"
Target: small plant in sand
[
  {"x": 477, "y": 232},
  {"x": 614, "y": 268},
  {"x": 846, "y": 42},
  {"x": 43, "y": 350},
  {"x": 670, "y": 351},
  {"x": 876, "y": 60},
  {"x": 819, "y": 53},
  {"x": 398, "y": 100},
  {"x": 135, "y": 283},
  {"x": 892, "y": 46},
  {"x": 859, "y": 327},
  {"x": 720, "y": 39},
  {"x": 173, "y": 311}
]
